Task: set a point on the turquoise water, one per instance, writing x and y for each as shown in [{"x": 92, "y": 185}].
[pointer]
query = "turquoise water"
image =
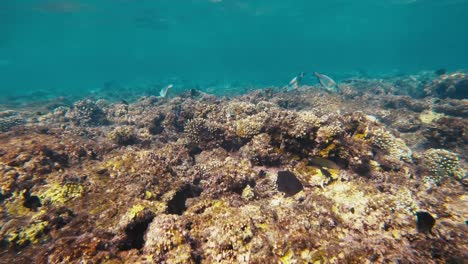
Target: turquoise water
[{"x": 74, "y": 47}]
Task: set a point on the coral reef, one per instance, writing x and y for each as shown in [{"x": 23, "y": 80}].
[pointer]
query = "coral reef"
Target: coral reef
[
  {"x": 87, "y": 113},
  {"x": 10, "y": 119},
  {"x": 266, "y": 177},
  {"x": 454, "y": 85}
]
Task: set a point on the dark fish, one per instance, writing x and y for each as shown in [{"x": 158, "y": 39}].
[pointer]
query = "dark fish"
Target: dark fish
[
  {"x": 424, "y": 222},
  {"x": 288, "y": 183},
  {"x": 2, "y": 197}
]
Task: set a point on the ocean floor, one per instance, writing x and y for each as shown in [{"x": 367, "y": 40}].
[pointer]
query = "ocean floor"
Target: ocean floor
[{"x": 375, "y": 173}]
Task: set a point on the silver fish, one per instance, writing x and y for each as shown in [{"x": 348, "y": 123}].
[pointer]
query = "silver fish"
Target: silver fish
[
  {"x": 296, "y": 81},
  {"x": 328, "y": 83},
  {"x": 164, "y": 90}
]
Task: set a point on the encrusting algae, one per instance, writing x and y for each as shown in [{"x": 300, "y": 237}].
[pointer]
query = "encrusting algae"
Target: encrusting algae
[
  {"x": 61, "y": 193},
  {"x": 303, "y": 176}
]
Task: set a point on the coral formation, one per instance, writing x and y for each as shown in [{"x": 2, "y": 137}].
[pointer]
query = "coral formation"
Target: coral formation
[
  {"x": 442, "y": 163},
  {"x": 87, "y": 113},
  {"x": 394, "y": 148},
  {"x": 124, "y": 135},
  {"x": 201, "y": 131},
  {"x": 250, "y": 126}
]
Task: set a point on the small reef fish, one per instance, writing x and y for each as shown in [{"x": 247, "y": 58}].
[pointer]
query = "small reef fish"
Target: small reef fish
[
  {"x": 296, "y": 81},
  {"x": 322, "y": 162},
  {"x": 164, "y": 90},
  {"x": 424, "y": 222},
  {"x": 328, "y": 83},
  {"x": 288, "y": 183}
]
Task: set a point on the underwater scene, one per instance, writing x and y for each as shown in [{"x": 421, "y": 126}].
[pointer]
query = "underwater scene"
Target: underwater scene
[{"x": 233, "y": 131}]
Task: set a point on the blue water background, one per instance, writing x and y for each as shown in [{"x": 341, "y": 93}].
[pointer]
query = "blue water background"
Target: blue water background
[{"x": 73, "y": 47}]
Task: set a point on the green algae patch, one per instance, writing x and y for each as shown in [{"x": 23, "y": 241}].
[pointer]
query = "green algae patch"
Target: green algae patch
[
  {"x": 134, "y": 211},
  {"x": 121, "y": 164},
  {"x": 31, "y": 234},
  {"x": 61, "y": 193},
  {"x": 141, "y": 209}
]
